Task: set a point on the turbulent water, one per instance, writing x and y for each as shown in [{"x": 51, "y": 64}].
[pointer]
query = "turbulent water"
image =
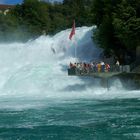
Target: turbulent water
[{"x": 38, "y": 100}]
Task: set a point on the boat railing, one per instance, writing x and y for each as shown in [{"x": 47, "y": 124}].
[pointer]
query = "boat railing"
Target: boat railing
[
  {"x": 85, "y": 71},
  {"x": 134, "y": 65}
]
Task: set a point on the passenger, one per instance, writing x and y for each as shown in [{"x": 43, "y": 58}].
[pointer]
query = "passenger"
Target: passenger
[
  {"x": 107, "y": 67},
  {"x": 102, "y": 66},
  {"x": 87, "y": 68},
  {"x": 99, "y": 67},
  {"x": 71, "y": 65},
  {"x": 75, "y": 65},
  {"x": 117, "y": 65},
  {"x": 77, "y": 68},
  {"x": 84, "y": 67},
  {"x": 81, "y": 68},
  {"x": 96, "y": 67},
  {"x": 93, "y": 67}
]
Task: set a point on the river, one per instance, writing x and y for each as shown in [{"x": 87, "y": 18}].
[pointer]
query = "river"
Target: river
[{"x": 38, "y": 100}]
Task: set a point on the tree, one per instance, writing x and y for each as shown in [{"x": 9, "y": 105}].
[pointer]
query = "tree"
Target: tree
[
  {"x": 127, "y": 25},
  {"x": 118, "y": 25}
]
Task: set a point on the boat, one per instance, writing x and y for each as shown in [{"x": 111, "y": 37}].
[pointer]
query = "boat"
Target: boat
[{"x": 102, "y": 74}]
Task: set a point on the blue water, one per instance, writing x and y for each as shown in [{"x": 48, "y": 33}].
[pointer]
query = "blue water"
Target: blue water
[{"x": 81, "y": 119}]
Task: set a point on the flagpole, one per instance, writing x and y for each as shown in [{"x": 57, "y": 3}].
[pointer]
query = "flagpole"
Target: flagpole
[
  {"x": 75, "y": 47},
  {"x": 75, "y": 39},
  {"x": 75, "y": 51}
]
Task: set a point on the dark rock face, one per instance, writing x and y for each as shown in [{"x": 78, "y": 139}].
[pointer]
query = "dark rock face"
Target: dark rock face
[
  {"x": 137, "y": 69},
  {"x": 129, "y": 80}
]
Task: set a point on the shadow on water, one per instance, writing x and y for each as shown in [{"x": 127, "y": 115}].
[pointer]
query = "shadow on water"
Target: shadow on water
[
  {"x": 76, "y": 87},
  {"x": 89, "y": 82}
]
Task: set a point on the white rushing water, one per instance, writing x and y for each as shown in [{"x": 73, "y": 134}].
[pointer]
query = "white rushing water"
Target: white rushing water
[{"x": 38, "y": 69}]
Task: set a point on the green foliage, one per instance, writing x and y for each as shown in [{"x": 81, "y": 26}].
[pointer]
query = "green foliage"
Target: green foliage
[
  {"x": 79, "y": 10},
  {"x": 102, "y": 17},
  {"x": 127, "y": 24},
  {"x": 34, "y": 18},
  {"x": 118, "y": 25},
  {"x": 8, "y": 25},
  {"x": 57, "y": 18}
]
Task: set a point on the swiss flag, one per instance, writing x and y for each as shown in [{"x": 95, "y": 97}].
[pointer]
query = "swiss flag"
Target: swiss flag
[{"x": 72, "y": 31}]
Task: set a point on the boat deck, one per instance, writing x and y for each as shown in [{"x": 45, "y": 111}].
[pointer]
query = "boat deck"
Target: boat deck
[
  {"x": 100, "y": 74},
  {"x": 74, "y": 72}
]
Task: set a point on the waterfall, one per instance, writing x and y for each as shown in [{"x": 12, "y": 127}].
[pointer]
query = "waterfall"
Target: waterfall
[{"x": 38, "y": 68}]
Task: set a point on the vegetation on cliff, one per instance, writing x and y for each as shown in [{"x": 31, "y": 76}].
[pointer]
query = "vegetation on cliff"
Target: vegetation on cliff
[
  {"x": 33, "y": 18},
  {"x": 118, "y": 29}
]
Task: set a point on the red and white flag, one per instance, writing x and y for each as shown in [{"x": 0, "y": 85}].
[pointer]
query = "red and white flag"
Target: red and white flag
[{"x": 72, "y": 31}]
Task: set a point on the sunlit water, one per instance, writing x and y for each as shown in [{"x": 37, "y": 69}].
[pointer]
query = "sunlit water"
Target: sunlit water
[{"x": 38, "y": 100}]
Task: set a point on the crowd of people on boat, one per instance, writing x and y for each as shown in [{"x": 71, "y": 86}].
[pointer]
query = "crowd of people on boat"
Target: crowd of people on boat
[{"x": 101, "y": 66}]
